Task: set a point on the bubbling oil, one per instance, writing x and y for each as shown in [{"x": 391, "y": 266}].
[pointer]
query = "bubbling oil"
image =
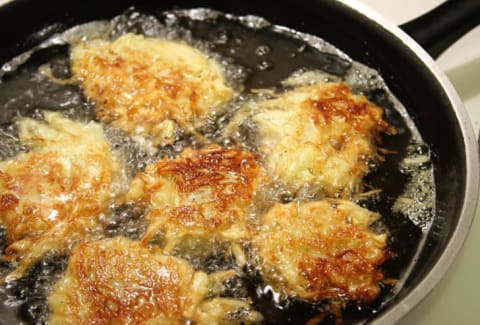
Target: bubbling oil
[{"x": 253, "y": 54}]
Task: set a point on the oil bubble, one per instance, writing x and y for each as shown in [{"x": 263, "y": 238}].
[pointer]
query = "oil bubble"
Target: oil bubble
[
  {"x": 262, "y": 50},
  {"x": 265, "y": 65},
  {"x": 221, "y": 37}
]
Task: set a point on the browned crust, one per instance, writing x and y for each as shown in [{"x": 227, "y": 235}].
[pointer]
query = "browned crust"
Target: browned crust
[
  {"x": 334, "y": 101},
  {"x": 118, "y": 281},
  {"x": 229, "y": 175},
  {"x": 322, "y": 250}
]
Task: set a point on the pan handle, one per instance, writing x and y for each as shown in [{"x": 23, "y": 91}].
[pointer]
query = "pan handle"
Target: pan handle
[{"x": 439, "y": 28}]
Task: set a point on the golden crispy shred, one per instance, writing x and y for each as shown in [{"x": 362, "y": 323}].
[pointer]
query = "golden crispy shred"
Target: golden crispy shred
[
  {"x": 118, "y": 281},
  {"x": 51, "y": 196},
  {"x": 321, "y": 136},
  {"x": 321, "y": 250},
  {"x": 200, "y": 197},
  {"x": 148, "y": 86}
]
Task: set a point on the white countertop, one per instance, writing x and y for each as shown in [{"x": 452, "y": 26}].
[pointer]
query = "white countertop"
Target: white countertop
[{"x": 455, "y": 300}]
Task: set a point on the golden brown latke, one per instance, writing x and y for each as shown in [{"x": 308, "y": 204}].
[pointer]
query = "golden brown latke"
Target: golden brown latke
[
  {"x": 147, "y": 86},
  {"x": 52, "y": 195},
  {"x": 118, "y": 281},
  {"x": 321, "y": 136},
  {"x": 203, "y": 195},
  {"x": 321, "y": 250}
]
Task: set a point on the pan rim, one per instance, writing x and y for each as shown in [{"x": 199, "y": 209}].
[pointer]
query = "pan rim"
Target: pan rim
[
  {"x": 467, "y": 212},
  {"x": 4, "y": 2}
]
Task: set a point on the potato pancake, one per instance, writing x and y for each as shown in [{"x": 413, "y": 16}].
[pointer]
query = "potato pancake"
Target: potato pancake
[
  {"x": 201, "y": 197},
  {"x": 148, "y": 87},
  {"x": 321, "y": 250},
  {"x": 52, "y": 195},
  {"x": 118, "y": 281},
  {"x": 321, "y": 136}
]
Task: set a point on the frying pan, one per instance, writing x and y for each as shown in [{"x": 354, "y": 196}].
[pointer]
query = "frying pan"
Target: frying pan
[{"x": 407, "y": 69}]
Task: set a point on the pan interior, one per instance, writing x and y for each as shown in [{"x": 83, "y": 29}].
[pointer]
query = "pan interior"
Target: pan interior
[{"x": 256, "y": 54}]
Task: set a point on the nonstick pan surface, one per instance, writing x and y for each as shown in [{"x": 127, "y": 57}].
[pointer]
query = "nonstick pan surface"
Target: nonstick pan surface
[{"x": 407, "y": 70}]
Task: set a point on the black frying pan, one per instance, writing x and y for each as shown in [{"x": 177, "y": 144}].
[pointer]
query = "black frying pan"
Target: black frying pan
[{"x": 408, "y": 71}]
